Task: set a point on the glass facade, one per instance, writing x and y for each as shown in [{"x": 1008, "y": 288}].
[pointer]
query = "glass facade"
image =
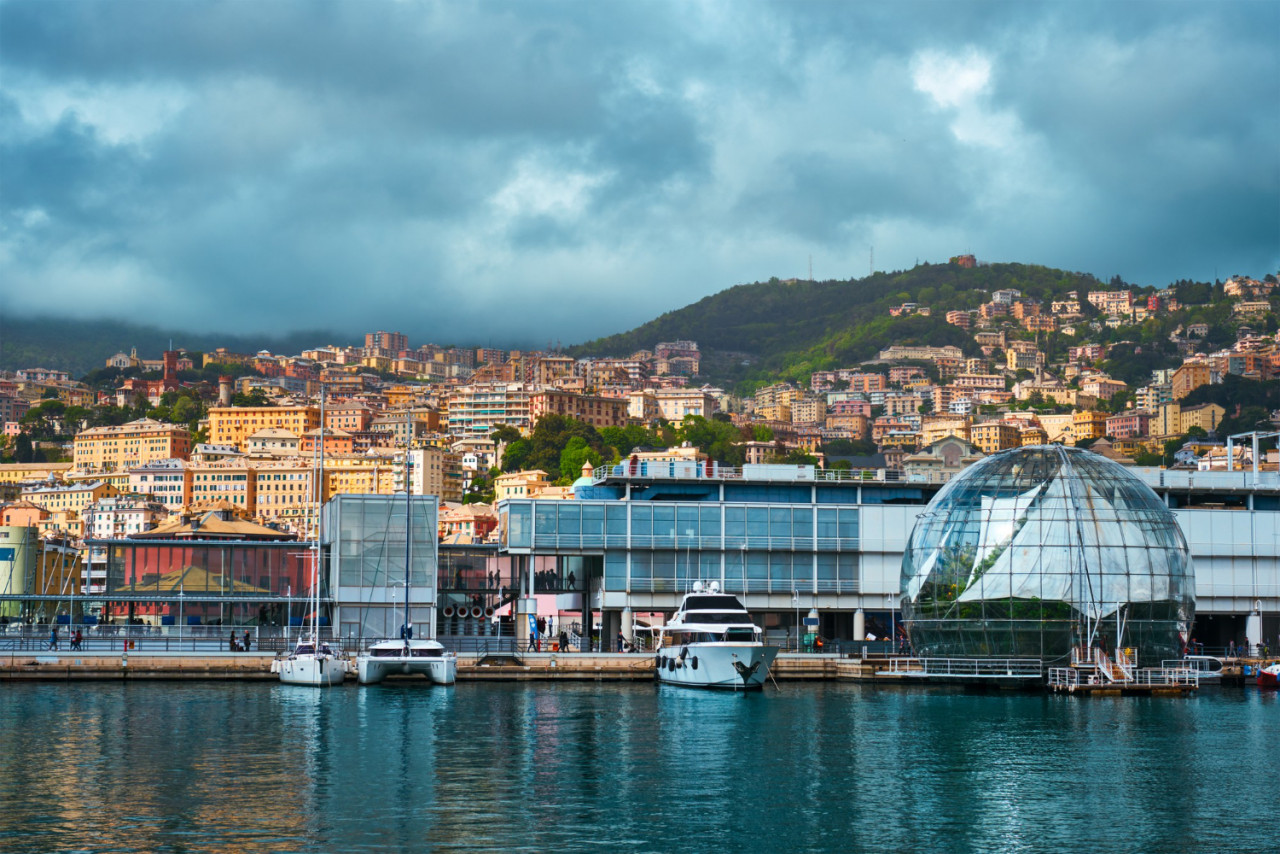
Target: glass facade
[
  {"x": 663, "y": 546},
  {"x": 367, "y": 549},
  {"x": 1037, "y": 549}
]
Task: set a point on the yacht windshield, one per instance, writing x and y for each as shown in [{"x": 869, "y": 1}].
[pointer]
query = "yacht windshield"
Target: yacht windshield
[{"x": 717, "y": 617}]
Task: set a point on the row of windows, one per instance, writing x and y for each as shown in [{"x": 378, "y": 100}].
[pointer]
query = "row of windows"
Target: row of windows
[{"x": 560, "y": 524}]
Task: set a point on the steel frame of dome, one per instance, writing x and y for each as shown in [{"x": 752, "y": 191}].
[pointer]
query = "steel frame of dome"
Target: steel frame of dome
[{"x": 1034, "y": 550}]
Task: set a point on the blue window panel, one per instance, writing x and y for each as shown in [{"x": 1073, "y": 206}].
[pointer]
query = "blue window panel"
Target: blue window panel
[
  {"x": 615, "y": 570},
  {"x": 569, "y": 515},
  {"x": 520, "y": 526},
  {"x": 709, "y": 524},
  {"x": 545, "y": 517},
  {"x": 838, "y": 494}
]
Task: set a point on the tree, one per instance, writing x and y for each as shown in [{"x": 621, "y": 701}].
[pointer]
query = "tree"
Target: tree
[
  {"x": 577, "y": 452},
  {"x": 22, "y": 450}
]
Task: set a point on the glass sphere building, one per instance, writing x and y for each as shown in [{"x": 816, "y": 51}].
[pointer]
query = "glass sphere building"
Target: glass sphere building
[{"x": 1034, "y": 550}]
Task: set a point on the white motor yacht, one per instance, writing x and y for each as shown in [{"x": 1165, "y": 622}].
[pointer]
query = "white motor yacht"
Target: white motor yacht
[
  {"x": 711, "y": 642},
  {"x": 427, "y": 657}
]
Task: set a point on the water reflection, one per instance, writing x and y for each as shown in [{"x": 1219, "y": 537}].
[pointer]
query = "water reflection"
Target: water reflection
[{"x": 212, "y": 767}]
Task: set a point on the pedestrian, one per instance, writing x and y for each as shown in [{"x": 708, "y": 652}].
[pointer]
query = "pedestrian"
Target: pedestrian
[
  {"x": 246, "y": 640},
  {"x": 621, "y": 641},
  {"x": 564, "y": 641},
  {"x": 1231, "y": 648},
  {"x": 53, "y": 638},
  {"x": 76, "y": 640},
  {"x": 233, "y": 646}
]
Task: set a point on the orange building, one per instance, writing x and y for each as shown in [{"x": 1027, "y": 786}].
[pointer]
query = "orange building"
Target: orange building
[{"x": 233, "y": 425}]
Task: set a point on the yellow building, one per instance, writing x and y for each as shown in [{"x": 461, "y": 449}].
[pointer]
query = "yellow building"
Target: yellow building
[
  {"x": 354, "y": 474},
  {"x": 233, "y": 425},
  {"x": 73, "y": 498},
  {"x": 30, "y": 472},
  {"x": 992, "y": 436},
  {"x": 936, "y": 427},
  {"x": 125, "y": 446},
  {"x": 519, "y": 484},
  {"x": 1088, "y": 424},
  {"x": 282, "y": 490},
  {"x": 229, "y": 481},
  {"x": 1206, "y": 416},
  {"x": 1033, "y": 436}
]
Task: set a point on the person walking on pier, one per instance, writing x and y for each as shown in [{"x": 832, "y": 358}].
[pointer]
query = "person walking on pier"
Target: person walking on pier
[
  {"x": 53, "y": 638},
  {"x": 76, "y": 640},
  {"x": 246, "y": 640}
]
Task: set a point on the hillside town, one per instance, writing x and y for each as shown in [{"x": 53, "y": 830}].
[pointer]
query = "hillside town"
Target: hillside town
[{"x": 230, "y": 444}]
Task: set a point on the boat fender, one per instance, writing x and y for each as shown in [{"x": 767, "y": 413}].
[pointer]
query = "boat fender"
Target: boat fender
[
  {"x": 695, "y": 662},
  {"x": 671, "y": 665}
]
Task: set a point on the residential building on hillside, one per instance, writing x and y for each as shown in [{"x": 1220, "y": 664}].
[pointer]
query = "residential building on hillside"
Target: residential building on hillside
[
  {"x": 167, "y": 482},
  {"x": 73, "y": 498},
  {"x": 233, "y": 425},
  {"x": 117, "y": 448},
  {"x": 599, "y": 412},
  {"x": 476, "y": 410}
]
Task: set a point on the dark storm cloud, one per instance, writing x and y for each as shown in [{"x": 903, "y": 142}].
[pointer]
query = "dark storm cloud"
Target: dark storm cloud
[{"x": 537, "y": 170}]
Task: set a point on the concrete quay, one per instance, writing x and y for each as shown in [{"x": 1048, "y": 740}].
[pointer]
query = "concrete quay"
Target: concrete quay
[{"x": 249, "y": 666}]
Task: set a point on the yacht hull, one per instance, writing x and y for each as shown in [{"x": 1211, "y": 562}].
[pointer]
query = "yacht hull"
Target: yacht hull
[
  {"x": 320, "y": 671},
  {"x": 441, "y": 668},
  {"x": 733, "y": 666}
]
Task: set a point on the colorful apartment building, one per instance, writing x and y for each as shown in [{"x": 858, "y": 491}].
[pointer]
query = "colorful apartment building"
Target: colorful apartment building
[
  {"x": 125, "y": 446},
  {"x": 233, "y": 425},
  {"x": 475, "y": 410},
  {"x": 992, "y": 436},
  {"x": 1131, "y": 424},
  {"x": 72, "y": 498},
  {"x": 167, "y": 482},
  {"x": 1088, "y": 424},
  {"x": 597, "y": 411},
  {"x": 1190, "y": 376}
]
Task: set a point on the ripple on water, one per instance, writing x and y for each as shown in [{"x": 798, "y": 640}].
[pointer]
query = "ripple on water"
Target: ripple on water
[{"x": 162, "y": 767}]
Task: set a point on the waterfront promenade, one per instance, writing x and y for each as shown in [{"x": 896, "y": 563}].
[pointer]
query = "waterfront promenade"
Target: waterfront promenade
[{"x": 210, "y": 664}]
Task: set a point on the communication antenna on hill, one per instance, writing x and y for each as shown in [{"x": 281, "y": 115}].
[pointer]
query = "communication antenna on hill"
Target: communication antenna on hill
[
  {"x": 871, "y": 262},
  {"x": 811, "y": 266}
]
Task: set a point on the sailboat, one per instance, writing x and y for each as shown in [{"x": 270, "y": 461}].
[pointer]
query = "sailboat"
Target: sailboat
[
  {"x": 407, "y": 654},
  {"x": 313, "y": 662}
]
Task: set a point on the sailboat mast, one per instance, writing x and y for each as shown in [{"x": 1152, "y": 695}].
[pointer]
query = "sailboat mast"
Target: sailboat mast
[
  {"x": 315, "y": 565},
  {"x": 408, "y": 518}
]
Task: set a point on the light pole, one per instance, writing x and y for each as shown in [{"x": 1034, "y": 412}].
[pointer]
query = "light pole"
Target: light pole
[{"x": 795, "y": 602}]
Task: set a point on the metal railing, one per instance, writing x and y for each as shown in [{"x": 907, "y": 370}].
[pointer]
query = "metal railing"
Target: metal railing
[{"x": 976, "y": 668}]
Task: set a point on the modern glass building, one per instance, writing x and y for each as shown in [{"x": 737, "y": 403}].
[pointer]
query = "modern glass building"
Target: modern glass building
[
  {"x": 1035, "y": 550},
  {"x": 784, "y": 538},
  {"x": 367, "y": 550}
]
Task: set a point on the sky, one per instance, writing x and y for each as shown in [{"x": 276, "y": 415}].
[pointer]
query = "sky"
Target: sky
[{"x": 493, "y": 173}]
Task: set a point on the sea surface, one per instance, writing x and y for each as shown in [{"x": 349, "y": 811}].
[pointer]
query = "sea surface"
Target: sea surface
[{"x": 598, "y": 767}]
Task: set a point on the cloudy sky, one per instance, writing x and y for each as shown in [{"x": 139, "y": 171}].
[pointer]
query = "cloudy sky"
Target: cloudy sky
[{"x": 522, "y": 172}]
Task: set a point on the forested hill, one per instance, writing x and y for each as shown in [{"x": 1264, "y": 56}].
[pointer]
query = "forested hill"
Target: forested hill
[
  {"x": 79, "y": 346},
  {"x": 791, "y": 328}
]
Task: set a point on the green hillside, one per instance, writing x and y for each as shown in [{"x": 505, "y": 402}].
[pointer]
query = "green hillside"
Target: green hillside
[
  {"x": 766, "y": 330},
  {"x": 79, "y": 346}
]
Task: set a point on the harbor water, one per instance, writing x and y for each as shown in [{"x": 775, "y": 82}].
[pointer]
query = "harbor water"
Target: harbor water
[{"x": 109, "y": 767}]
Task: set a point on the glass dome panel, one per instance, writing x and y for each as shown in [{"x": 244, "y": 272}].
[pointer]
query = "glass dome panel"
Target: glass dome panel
[{"x": 1033, "y": 550}]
